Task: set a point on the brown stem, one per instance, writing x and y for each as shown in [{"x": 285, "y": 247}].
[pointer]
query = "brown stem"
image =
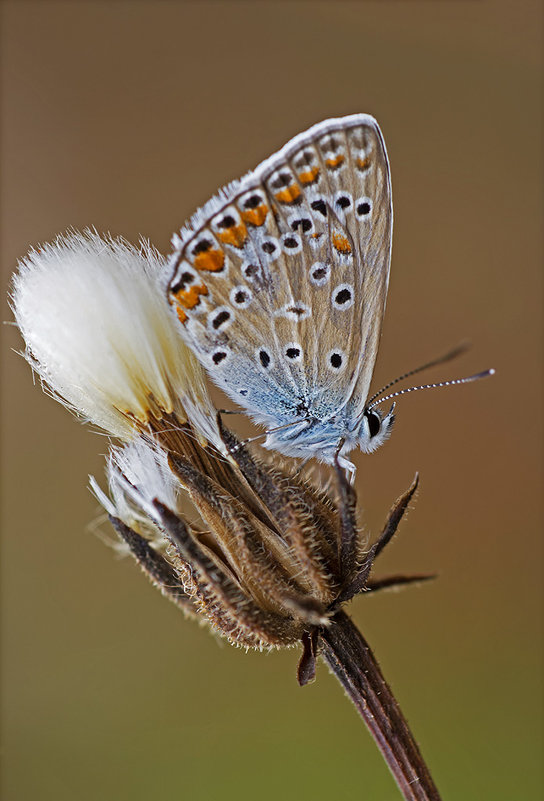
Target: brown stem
[{"x": 348, "y": 655}]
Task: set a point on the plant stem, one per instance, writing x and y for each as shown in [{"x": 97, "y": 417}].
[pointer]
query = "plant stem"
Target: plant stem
[{"x": 350, "y": 658}]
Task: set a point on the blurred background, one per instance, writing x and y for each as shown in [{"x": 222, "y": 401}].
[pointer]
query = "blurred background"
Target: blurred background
[{"x": 127, "y": 116}]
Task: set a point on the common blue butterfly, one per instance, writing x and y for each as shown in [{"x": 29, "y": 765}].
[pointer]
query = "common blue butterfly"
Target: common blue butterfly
[{"x": 280, "y": 283}]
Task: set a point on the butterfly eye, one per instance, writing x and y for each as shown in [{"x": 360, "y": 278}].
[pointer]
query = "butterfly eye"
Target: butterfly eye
[{"x": 374, "y": 423}]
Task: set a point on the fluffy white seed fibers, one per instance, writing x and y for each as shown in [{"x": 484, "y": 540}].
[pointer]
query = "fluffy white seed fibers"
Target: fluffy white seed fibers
[
  {"x": 99, "y": 332},
  {"x": 138, "y": 473}
]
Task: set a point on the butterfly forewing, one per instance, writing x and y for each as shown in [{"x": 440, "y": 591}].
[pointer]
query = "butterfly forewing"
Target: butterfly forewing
[{"x": 280, "y": 281}]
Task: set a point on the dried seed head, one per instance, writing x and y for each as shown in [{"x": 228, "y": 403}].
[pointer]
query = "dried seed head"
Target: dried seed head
[
  {"x": 271, "y": 558},
  {"x": 236, "y": 568}
]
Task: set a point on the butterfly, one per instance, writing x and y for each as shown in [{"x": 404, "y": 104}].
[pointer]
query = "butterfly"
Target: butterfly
[{"x": 280, "y": 282}]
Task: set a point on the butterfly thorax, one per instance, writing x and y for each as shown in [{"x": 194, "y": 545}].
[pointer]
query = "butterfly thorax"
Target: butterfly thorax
[
  {"x": 315, "y": 431},
  {"x": 312, "y": 437}
]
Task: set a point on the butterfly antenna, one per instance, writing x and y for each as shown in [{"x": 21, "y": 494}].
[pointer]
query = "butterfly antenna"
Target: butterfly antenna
[
  {"x": 450, "y": 383},
  {"x": 447, "y": 357}
]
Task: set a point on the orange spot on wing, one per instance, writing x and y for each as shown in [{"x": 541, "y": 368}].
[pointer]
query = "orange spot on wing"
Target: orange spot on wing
[
  {"x": 210, "y": 260},
  {"x": 255, "y": 216},
  {"x": 335, "y": 161},
  {"x": 289, "y": 194},
  {"x": 181, "y": 315},
  {"x": 236, "y": 235},
  {"x": 362, "y": 163},
  {"x": 309, "y": 176},
  {"x": 189, "y": 298},
  {"x": 340, "y": 243}
]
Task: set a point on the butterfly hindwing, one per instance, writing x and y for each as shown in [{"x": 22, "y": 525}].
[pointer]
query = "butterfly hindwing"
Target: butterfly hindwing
[{"x": 280, "y": 281}]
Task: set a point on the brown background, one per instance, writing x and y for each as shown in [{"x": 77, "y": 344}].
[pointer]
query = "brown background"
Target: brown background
[{"x": 126, "y": 116}]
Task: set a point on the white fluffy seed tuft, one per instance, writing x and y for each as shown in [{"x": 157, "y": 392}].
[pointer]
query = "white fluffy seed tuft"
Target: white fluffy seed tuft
[
  {"x": 138, "y": 474},
  {"x": 100, "y": 334}
]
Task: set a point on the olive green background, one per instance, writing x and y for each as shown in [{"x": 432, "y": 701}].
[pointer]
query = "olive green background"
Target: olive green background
[{"x": 126, "y": 116}]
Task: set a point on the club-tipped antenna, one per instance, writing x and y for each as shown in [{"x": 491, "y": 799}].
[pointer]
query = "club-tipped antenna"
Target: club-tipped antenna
[
  {"x": 447, "y": 357},
  {"x": 449, "y": 383}
]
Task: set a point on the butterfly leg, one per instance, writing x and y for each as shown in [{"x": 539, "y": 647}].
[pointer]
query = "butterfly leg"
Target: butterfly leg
[
  {"x": 351, "y": 470},
  {"x": 344, "y": 463},
  {"x": 267, "y": 433},
  {"x": 348, "y": 522},
  {"x": 243, "y": 442},
  {"x": 301, "y": 467}
]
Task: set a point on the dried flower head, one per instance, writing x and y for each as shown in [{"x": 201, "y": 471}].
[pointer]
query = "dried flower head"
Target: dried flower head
[{"x": 273, "y": 557}]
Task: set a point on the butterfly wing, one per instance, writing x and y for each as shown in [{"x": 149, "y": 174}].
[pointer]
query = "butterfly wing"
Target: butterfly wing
[{"x": 280, "y": 281}]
